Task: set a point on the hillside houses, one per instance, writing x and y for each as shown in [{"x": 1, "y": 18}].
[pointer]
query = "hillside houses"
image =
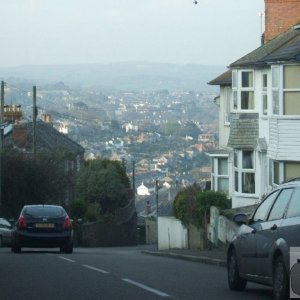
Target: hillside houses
[{"x": 259, "y": 112}]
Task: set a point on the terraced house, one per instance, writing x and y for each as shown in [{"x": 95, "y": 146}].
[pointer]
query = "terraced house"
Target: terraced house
[{"x": 259, "y": 116}]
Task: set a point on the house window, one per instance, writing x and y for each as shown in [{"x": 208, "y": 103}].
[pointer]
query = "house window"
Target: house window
[
  {"x": 247, "y": 92},
  {"x": 220, "y": 177},
  {"x": 244, "y": 172},
  {"x": 243, "y": 90},
  {"x": 291, "y": 170},
  {"x": 265, "y": 93},
  {"x": 227, "y": 104},
  {"x": 285, "y": 171},
  {"x": 275, "y": 89},
  {"x": 276, "y": 172},
  {"x": 291, "y": 90}
]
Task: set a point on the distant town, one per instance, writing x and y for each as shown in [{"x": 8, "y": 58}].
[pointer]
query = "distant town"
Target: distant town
[{"x": 163, "y": 133}]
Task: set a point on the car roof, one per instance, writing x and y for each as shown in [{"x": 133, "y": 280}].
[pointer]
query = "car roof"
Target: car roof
[{"x": 292, "y": 183}]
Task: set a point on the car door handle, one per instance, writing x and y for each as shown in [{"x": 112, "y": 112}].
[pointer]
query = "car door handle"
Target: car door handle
[{"x": 274, "y": 227}]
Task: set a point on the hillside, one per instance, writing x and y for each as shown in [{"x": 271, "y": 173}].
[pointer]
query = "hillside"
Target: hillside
[{"x": 118, "y": 76}]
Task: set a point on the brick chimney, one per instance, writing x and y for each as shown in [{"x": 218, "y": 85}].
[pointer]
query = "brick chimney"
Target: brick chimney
[
  {"x": 47, "y": 118},
  {"x": 280, "y": 15}
]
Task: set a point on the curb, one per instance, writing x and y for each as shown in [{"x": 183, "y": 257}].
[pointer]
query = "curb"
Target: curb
[{"x": 200, "y": 259}]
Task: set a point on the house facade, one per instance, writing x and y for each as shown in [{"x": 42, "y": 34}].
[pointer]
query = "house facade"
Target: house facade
[{"x": 259, "y": 116}]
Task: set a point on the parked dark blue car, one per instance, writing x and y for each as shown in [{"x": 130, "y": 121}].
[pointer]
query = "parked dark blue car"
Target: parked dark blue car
[{"x": 43, "y": 226}]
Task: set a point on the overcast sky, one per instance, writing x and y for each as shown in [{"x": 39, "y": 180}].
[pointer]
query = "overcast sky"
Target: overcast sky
[{"x": 214, "y": 32}]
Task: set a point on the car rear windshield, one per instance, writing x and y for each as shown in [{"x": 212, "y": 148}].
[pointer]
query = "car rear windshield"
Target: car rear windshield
[{"x": 44, "y": 211}]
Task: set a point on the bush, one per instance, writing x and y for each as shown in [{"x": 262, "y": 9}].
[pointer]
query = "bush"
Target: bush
[{"x": 192, "y": 206}]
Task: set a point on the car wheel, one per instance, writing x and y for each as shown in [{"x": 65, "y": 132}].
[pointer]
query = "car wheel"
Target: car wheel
[
  {"x": 235, "y": 282},
  {"x": 280, "y": 280},
  {"x": 16, "y": 249},
  {"x": 1, "y": 242},
  {"x": 67, "y": 249}
]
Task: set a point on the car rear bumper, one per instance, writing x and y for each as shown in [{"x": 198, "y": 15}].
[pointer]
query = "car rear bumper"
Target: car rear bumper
[{"x": 42, "y": 240}]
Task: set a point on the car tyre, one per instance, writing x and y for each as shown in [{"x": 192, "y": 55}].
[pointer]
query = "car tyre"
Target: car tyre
[
  {"x": 16, "y": 249},
  {"x": 67, "y": 249},
  {"x": 235, "y": 282},
  {"x": 1, "y": 242},
  {"x": 280, "y": 280}
]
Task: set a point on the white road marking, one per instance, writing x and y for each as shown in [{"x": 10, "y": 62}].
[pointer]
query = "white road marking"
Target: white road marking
[
  {"x": 95, "y": 269},
  {"x": 147, "y": 288},
  {"x": 67, "y": 259}
]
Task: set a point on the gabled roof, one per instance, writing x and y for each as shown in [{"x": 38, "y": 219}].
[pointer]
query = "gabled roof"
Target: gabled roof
[
  {"x": 223, "y": 79},
  {"x": 49, "y": 139},
  {"x": 284, "y": 47}
]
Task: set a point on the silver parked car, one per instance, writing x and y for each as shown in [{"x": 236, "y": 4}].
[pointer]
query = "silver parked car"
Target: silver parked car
[
  {"x": 5, "y": 233},
  {"x": 260, "y": 251}
]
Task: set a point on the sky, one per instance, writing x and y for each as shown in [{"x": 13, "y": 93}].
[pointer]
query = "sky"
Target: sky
[{"x": 51, "y": 32}]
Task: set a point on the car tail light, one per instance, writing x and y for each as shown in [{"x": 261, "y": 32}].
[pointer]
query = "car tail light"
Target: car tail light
[
  {"x": 21, "y": 222},
  {"x": 67, "y": 223}
]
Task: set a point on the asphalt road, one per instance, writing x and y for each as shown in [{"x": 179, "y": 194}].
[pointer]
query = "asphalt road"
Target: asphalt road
[{"x": 112, "y": 274}]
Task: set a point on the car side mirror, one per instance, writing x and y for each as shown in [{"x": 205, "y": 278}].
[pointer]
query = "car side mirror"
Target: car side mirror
[{"x": 240, "y": 219}]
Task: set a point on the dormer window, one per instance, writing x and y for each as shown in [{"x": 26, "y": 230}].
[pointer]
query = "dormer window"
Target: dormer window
[{"x": 243, "y": 90}]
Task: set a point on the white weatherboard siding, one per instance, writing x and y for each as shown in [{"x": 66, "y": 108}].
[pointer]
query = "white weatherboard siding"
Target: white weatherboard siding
[{"x": 284, "y": 143}]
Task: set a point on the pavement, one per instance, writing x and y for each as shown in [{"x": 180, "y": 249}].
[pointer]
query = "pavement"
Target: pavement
[{"x": 215, "y": 256}]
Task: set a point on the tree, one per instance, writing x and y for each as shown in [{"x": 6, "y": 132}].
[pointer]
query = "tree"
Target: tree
[
  {"x": 103, "y": 182},
  {"x": 26, "y": 180}
]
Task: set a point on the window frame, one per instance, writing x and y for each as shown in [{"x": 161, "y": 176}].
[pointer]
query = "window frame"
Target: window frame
[
  {"x": 216, "y": 176},
  {"x": 240, "y": 171},
  {"x": 238, "y": 89}
]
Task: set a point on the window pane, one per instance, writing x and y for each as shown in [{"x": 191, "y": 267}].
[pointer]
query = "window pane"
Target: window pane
[
  {"x": 275, "y": 77},
  {"x": 294, "y": 206},
  {"x": 291, "y": 170},
  {"x": 223, "y": 185},
  {"x": 213, "y": 165},
  {"x": 292, "y": 103},
  {"x": 236, "y": 181},
  {"x": 279, "y": 207},
  {"x": 247, "y": 79},
  {"x": 248, "y": 183},
  {"x": 263, "y": 209},
  {"x": 265, "y": 104},
  {"x": 234, "y": 79},
  {"x": 222, "y": 166},
  {"x": 265, "y": 82},
  {"x": 276, "y": 172},
  {"x": 235, "y": 159},
  {"x": 292, "y": 77},
  {"x": 234, "y": 98},
  {"x": 248, "y": 160},
  {"x": 213, "y": 188},
  {"x": 275, "y": 102},
  {"x": 247, "y": 100}
]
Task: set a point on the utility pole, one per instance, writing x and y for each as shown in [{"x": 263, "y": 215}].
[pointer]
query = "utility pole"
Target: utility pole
[
  {"x": 2, "y": 102},
  {"x": 34, "y": 115},
  {"x": 156, "y": 194},
  {"x": 1, "y": 136},
  {"x": 133, "y": 178}
]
